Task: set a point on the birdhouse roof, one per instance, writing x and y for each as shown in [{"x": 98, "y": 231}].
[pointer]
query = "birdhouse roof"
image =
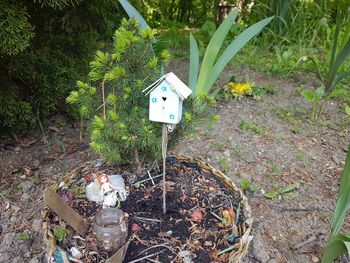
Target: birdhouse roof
[{"x": 175, "y": 84}]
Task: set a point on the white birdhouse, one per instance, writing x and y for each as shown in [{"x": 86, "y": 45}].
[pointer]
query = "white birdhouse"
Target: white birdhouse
[{"x": 166, "y": 96}]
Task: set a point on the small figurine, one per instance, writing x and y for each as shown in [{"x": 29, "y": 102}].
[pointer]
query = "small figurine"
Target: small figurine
[
  {"x": 108, "y": 193},
  {"x": 105, "y": 185}
]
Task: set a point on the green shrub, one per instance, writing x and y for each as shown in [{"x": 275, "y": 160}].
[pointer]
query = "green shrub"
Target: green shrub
[
  {"x": 15, "y": 114},
  {"x": 15, "y": 31}
]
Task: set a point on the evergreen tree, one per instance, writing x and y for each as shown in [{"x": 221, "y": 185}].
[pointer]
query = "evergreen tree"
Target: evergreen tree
[{"x": 120, "y": 129}]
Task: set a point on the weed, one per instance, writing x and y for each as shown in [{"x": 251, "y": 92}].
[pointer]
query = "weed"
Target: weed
[
  {"x": 248, "y": 187},
  {"x": 224, "y": 162},
  {"x": 220, "y": 146},
  {"x": 248, "y": 125},
  {"x": 25, "y": 235},
  {"x": 275, "y": 168},
  {"x": 296, "y": 129},
  {"x": 286, "y": 192},
  {"x": 260, "y": 91},
  {"x": 77, "y": 191},
  {"x": 4, "y": 193},
  {"x": 19, "y": 186},
  {"x": 301, "y": 156},
  {"x": 238, "y": 151},
  {"x": 60, "y": 233}
]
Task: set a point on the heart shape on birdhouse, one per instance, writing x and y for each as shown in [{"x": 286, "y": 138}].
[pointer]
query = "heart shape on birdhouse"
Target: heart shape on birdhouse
[{"x": 164, "y": 98}]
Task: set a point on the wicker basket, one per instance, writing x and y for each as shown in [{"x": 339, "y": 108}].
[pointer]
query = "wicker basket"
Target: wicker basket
[{"x": 244, "y": 229}]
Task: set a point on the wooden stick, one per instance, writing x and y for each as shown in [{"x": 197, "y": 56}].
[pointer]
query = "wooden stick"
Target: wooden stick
[
  {"x": 64, "y": 211},
  {"x": 150, "y": 176},
  {"x": 164, "y": 149},
  {"x": 147, "y": 219}
]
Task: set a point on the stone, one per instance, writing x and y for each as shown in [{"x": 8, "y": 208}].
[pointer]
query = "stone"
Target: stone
[
  {"x": 5, "y": 257},
  {"x": 8, "y": 239},
  {"x": 36, "y": 225},
  {"x": 227, "y": 153},
  {"x": 34, "y": 260},
  {"x": 259, "y": 251}
]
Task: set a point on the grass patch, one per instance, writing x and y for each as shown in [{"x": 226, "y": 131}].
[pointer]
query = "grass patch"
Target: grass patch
[{"x": 250, "y": 126}]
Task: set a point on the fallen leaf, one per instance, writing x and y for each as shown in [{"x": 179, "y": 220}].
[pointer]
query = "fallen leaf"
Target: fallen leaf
[{"x": 197, "y": 216}]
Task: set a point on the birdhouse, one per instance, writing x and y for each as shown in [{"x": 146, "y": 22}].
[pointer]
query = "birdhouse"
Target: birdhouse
[{"x": 166, "y": 96}]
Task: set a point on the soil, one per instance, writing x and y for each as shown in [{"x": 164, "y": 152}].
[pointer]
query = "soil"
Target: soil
[{"x": 278, "y": 147}]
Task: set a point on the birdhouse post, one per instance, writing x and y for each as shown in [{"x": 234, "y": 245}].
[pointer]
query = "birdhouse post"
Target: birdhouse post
[{"x": 166, "y": 96}]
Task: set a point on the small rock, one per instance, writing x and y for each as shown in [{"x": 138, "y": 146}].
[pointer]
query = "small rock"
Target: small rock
[
  {"x": 5, "y": 257},
  {"x": 314, "y": 259},
  {"x": 8, "y": 239},
  {"x": 208, "y": 243},
  {"x": 36, "y": 226},
  {"x": 227, "y": 153},
  {"x": 259, "y": 251},
  {"x": 17, "y": 149},
  {"x": 272, "y": 260},
  {"x": 34, "y": 260}
]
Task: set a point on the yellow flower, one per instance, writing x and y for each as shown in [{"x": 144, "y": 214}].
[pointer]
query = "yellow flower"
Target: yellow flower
[{"x": 238, "y": 90}]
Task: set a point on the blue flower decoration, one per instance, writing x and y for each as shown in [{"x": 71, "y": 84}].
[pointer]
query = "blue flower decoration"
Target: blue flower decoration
[
  {"x": 154, "y": 100},
  {"x": 172, "y": 116},
  {"x": 163, "y": 88}
]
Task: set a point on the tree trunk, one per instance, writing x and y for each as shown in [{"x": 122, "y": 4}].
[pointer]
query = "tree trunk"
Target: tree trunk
[{"x": 138, "y": 163}]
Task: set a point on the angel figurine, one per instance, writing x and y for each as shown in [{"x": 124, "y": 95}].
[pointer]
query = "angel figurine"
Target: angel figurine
[
  {"x": 108, "y": 193},
  {"x": 106, "y": 189}
]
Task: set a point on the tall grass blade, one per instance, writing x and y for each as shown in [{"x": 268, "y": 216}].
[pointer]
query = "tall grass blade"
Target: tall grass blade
[
  {"x": 339, "y": 61},
  {"x": 337, "y": 246},
  {"x": 346, "y": 34},
  {"x": 334, "y": 47},
  {"x": 343, "y": 203},
  {"x": 194, "y": 64},
  {"x": 235, "y": 46},
  {"x": 133, "y": 13},
  {"x": 212, "y": 50},
  {"x": 339, "y": 78}
]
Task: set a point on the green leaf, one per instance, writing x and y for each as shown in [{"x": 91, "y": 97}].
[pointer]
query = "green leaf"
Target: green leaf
[
  {"x": 235, "y": 46},
  {"x": 194, "y": 65},
  {"x": 212, "y": 51},
  {"x": 98, "y": 122},
  {"x": 337, "y": 246},
  {"x": 343, "y": 203},
  {"x": 133, "y": 13},
  {"x": 339, "y": 78},
  {"x": 308, "y": 95},
  {"x": 347, "y": 110},
  {"x": 319, "y": 93},
  {"x": 288, "y": 188},
  {"x": 292, "y": 194},
  {"x": 271, "y": 195}
]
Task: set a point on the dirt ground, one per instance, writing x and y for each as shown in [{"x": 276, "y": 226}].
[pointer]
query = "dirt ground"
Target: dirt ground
[{"x": 269, "y": 142}]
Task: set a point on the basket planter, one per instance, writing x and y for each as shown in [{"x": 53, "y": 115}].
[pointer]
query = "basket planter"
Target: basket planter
[{"x": 77, "y": 177}]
